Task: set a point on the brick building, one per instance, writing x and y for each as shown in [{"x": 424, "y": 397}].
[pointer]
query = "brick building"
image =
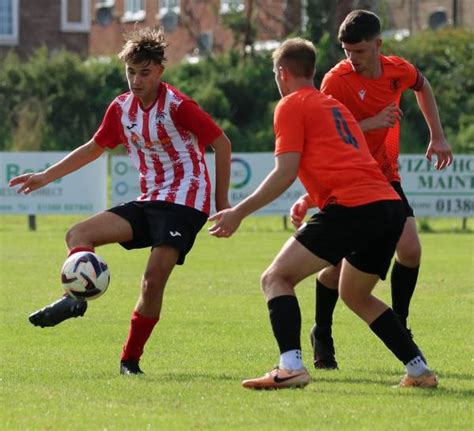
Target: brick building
[
  {"x": 193, "y": 26},
  {"x": 27, "y": 24},
  {"x": 418, "y": 15}
]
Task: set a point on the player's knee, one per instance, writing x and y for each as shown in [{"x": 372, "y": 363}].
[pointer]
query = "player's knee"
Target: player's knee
[
  {"x": 265, "y": 280},
  {"x": 329, "y": 277},
  {"x": 269, "y": 280},
  {"x": 409, "y": 254},
  {"x": 75, "y": 236},
  {"x": 276, "y": 283}
]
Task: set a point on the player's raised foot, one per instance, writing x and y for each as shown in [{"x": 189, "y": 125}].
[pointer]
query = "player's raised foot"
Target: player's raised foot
[
  {"x": 130, "y": 367},
  {"x": 279, "y": 378},
  {"x": 323, "y": 349},
  {"x": 427, "y": 380},
  {"x": 62, "y": 309}
]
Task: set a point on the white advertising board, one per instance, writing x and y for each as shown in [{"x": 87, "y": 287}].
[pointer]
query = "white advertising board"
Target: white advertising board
[
  {"x": 446, "y": 193},
  {"x": 247, "y": 172},
  {"x": 82, "y": 192}
]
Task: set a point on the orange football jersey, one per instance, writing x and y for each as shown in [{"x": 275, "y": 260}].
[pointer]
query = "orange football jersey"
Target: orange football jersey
[
  {"x": 366, "y": 97},
  {"x": 336, "y": 165}
]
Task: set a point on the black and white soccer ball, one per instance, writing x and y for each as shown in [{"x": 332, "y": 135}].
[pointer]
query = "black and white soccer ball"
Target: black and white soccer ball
[{"x": 85, "y": 275}]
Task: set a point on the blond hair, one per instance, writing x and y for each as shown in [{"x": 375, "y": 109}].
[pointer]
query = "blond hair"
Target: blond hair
[{"x": 298, "y": 56}]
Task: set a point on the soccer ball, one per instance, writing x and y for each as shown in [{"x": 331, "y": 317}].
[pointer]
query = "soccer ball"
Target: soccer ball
[{"x": 85, "y": 275}]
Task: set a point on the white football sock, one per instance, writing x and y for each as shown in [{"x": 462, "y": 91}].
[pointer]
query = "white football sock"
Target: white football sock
[
  {"x": 291, "y": 360},
  {"x": 416, "y": 367}
]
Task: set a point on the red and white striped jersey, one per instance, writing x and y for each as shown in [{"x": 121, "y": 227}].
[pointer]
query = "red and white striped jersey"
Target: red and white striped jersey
[{"x": 166, "y": 143}]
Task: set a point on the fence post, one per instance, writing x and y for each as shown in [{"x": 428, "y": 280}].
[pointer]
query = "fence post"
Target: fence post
[{"x": 32, "y": 221}]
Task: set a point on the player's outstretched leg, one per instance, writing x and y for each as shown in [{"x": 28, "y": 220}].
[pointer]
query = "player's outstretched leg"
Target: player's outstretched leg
[
  {"x": 355, "y": 290},
  {"x": 62, "y": 309}
]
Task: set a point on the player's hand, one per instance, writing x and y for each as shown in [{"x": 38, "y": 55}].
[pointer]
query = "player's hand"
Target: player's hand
[
  {"x": 298, "y": 212},
  {"x": 442, "y": 150},
  {"x": 226, "y": 223},
  {"x": 387, "y": 117},
  {"x": 29, "y": 182}
]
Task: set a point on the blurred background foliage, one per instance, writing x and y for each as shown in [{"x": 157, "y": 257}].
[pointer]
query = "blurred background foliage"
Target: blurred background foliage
[{"x": 55, "y": 101}]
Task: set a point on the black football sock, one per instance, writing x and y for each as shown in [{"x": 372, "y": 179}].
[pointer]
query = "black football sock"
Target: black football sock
[
  {"x": 403, "y": 281},
  {"x": 389, "y": 329},
  {"x": 326, "y": 300},
  {"x": 285, "y": 317}
]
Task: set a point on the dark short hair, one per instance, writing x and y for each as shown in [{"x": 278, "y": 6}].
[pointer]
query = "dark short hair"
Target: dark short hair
[
  {"x": 144, "y": 45},
  {"x": 359, "y": 25},
  {"x": 298, "y": 56}
]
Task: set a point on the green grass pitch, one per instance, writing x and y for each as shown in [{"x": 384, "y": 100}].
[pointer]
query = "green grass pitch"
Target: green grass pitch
[{"x": 214, "y": 331}]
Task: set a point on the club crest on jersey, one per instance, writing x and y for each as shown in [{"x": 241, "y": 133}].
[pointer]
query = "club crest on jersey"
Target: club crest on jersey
[
  {"x": 395, "y": 84},
  {"x": 362, "y": 94},
  {"x": 159, "y": 117}
]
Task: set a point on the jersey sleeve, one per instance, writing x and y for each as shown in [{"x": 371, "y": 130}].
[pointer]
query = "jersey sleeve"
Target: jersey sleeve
[
  {"x": 191, "y": 117},
  {"x": 330, "y": 87},
  {"x": 412, "y": 77},
  {"x": 288, "y": 124},
  {"x": 108, "y": 134}
]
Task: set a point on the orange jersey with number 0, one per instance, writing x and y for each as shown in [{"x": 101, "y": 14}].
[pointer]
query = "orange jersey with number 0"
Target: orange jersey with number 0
[{"x": 336, "y": 165}]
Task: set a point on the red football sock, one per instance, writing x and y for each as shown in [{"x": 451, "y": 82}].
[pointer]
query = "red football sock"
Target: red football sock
[
  {"x": 140, "y": 330},
  {"x": 78, "y": 249}
]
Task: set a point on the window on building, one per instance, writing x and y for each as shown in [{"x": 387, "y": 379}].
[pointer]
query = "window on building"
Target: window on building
[
  {"x": 104, "y": 3},
  {"x": 8, "y": 22},
  {"x": 232, "y": 6},
  {"x": 134, "y": 10},
  {"x": 75, "y": 16},
  {"x": 167, "y": 6}
]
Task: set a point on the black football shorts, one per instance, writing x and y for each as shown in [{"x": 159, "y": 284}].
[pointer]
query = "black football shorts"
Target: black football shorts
[
  {"x": 156, "y": 223},
  {"x": 365, "y": 235},
  {"x": 398, "y": 188}
]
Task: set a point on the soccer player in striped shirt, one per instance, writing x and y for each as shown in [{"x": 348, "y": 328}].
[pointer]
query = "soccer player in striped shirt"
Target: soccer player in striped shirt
[
  {"x": 370, "y": 85},
  {"x": 165, "y": 134},
  {"x": 360, "y": 222}
]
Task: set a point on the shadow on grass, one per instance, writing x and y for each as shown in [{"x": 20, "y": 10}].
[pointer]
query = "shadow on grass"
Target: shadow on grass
[
  {"x": 443, "y": 388},
  {"x": 188, "y": 377}
]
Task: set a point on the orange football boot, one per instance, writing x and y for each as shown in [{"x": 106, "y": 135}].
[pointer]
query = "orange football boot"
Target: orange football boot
[
  {"x": 279, "y": 378},
  {"x": 427, "y": 380}
]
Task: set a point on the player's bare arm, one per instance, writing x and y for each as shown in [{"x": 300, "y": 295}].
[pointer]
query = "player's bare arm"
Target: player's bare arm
[
  {"x": 438, "y": 144},
  {"x": 72, "y": 162},
  {"x": 282, "y": 176},
  {"x": 222, "y": 149},
  {"x": 386, "y": 118}
]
